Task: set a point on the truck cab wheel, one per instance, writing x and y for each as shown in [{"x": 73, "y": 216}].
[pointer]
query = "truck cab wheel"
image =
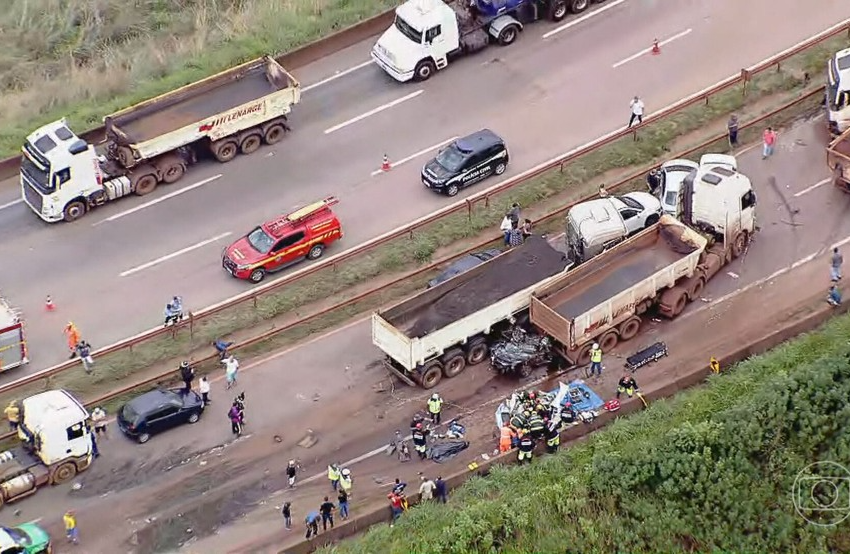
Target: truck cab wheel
[
  {"x": 316, "y": 252},
  {"x": 173, "y": 173},
  {"x": 431, "y": 375},
  {"x": 578, "y": 6},
  {"x": 739, "y": 245},
  {"x": 509, "y": 34},
  {"x": 424, "y": 70},
  {"x": 145, "y": 184},
  {"x": 64, "y": 473},
  {"x": 257, "y": 275},
  {"x": 74, "y": 211}
]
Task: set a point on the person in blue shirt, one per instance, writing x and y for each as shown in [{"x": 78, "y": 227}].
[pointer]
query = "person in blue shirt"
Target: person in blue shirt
[
  {"x": 312, "y": 521},
  {"x": 834, "y": 298}
]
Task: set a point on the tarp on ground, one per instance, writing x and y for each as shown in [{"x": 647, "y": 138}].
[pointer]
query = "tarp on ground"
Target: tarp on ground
[
  {"x": 577, "y": 392},
  {"x": 443, "y": 451}
]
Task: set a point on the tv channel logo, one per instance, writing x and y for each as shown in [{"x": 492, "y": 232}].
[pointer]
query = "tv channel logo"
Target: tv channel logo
[{"x": 822, "y": 493}]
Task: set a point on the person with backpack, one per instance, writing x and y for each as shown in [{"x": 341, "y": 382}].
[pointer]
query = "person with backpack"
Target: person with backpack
[{"x": 235, "y": 415}]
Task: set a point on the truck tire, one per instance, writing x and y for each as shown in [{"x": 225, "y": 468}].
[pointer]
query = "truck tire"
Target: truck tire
[
  {"x": 173, "y": 172},
  {"x": 558, "y": 10},
  {"x": 609, "y": 341},
  {"x": 250, "y": 144},
  {"x": 583, "y": 356},
  {"x": 224, "y": 150},
  {"x": 695, "y": 287},
  {"x": 423, "y": 70},
  {"x": 453, "y": 363},
  {"x": 739, "y": 245},
  {"x": 145, "y": 184},
  {"x": 64, "y": 473},
  {"x": 431, "y": 374},
  {"x": 476, "y": 351},
  {"x": 509, "y": 34},
  {"x": 675, "y": 298},
  {"x": 629, "y": 328},
  {"x": 578, "y": 6},
  {"x": 316, "y": 252},
  {"x": 74, "y": 210},
  {"x": 274, "y": 134},
  {"x": 257, "y": 275},
  {"x": 125, "y": 157}
]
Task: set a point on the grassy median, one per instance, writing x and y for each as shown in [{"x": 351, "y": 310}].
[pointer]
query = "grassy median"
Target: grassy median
[
  {"x": 83, "y": 59},
  {"x": 721, "y": 468},
  {"x": 559, "y": 186}
]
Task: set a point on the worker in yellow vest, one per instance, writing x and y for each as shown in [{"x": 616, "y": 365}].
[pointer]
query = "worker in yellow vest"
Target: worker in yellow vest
[
  {"x": 435, "y": 406},
  {"x": 13, "y": 414},
  {"x": 333, "y": 475},
  {"x": 595, "y": 360}
]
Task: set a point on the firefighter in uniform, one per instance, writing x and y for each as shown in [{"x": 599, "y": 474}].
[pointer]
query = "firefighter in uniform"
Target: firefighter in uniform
[
  {"x": 518, "y": 421},
  {"x": 435, "y": 406},
  {"x": 627, "y": 385},
  {"x": 526, "y": 446},
  {"x": 553, "y": 436},
  {"x": 536, "y": 426},
  {"x": 420, "y": 441}
]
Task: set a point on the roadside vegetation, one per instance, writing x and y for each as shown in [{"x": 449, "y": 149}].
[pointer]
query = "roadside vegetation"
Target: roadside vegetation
[
  {"x": 87, "y": 58},
  {"x": 714, "y": 469}
]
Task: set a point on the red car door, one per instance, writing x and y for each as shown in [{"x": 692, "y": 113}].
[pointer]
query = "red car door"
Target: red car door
[{"x": 285, "y": 251}]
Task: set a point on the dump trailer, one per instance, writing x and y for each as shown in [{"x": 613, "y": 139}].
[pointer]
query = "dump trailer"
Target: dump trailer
[
  {"x": 443, "y": 329},
  {"x": 838, "y": 160},
  {"x": 236, "y": 111},
  {"x": 13, "y": 345},
  {"x": 603, "y": 301},
  {"x": 56, "y": 444}
]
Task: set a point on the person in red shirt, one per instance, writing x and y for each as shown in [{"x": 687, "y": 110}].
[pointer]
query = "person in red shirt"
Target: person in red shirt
[
  {"x": 396, "y": 506},
  {"x": 768, "y": 142}
]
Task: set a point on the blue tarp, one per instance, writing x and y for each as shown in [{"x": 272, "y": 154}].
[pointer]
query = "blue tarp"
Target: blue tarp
[{"x": 577, "y": 392}]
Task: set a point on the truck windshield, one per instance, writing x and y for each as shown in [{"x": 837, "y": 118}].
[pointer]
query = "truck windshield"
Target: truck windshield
[
  {"x": 407, "y": 30},
  {"x": 260, "y": 240},
  {"x": 37, "y": 176},
  {"x": 451, "y": 158}
]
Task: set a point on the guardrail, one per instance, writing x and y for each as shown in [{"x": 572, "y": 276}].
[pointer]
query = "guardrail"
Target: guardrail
[
  {"x": 299, "y": 57},
  {"x": 171, "y": 374},
  {"x": 743, "y": 78}
]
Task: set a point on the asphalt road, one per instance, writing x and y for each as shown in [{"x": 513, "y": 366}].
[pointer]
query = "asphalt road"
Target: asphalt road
[
  {"x": 544, "y": 95},
  {"x": 327, "y": 379}
]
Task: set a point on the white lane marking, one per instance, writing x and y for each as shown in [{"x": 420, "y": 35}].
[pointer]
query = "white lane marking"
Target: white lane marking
[
  {"x": 158, "y": 200},
  {"x": 374, "y": 111},
  {"x": 10, "y": 204},
  {"x": 813, "y": 187},
  {"x": 336, "y": 76},
  {"x": 645, "y": 51},
  {"x": 582, "y": 18},
  {"x": 414, "y": 156},
  {"x": 174, "y": 254}
]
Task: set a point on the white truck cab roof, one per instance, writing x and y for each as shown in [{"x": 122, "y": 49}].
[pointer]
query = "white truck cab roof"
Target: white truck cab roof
[
  {"x": 424, "y": 14},
  {"x": 52, "y": 409},
  {"x": 57, "y": 142}
]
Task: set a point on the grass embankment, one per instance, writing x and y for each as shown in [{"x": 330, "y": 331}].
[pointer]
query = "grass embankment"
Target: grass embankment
[
  {"x": 575, "y": 180},
  {"x": 84, "y": 59},
  {"x": 713, "y": 469}
]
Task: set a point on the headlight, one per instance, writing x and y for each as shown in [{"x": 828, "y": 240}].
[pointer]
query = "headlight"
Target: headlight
[{"x": 241, "y": 267}]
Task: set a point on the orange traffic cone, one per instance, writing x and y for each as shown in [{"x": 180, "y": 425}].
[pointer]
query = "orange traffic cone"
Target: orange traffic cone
[
  {"x": 48, "y": 304},
  {"x": 656, "y": 49},
  {"x": 385, "y": 165}
]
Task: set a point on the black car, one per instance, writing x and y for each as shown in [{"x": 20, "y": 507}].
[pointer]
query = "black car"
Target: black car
[
  {"x": 466, "y": 161},
  {"x": 464, "y": 264},
  {"x": 158, "y": 410}
]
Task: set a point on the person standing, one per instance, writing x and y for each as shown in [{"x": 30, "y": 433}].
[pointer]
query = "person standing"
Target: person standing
[
  {"x": 187, "y": 375},
  {"x": 420, "y": 441},
  {"x": 98, "y": 419},
  {"x": 71, "y": 532},
  {"x": 426, "y": 489},
  {"x": 345, "y": 481},
  {"x": 835, "y": 265},
  {"x": 84, "y": 351},
  {"x": 506, "y": 227},
  {"x": 72, "y": 338},
  {"x": 627, "y": 385},
  {"x": 435, "y": 407},
  {"x": 526, "y": 447},
  {"x": 395, "y": 507},
  {"x": 231, "y": 368},
  {"x": 312, "y": 521},
  {"x": 204, "y": 389},
  {"x": 596, "y": 360},
  {"x": 514, "y": 213},
  {"x": 553, "y": 435},
  {"x": 342, "y": 498},
  {"x": 732, "y": 131},
  {"x": 290, "y": 473},
  {"x": 636, "y": 106},
  {"x": 506, "y": 437},
  {"x": 287, "y": 515},
  {"x": 13, "y": 414},
  {"x": 327, "y": 510},
  {"x": 768, "y": 142},
  {"x": 235, "y": 415},
  {"x": 441, "y": 490},
  {"x": 333, "y": 475}
]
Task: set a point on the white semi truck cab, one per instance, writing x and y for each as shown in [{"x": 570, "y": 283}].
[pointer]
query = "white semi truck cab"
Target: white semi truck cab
[
  {"x": 426, "y": 34},
  {"x": 838, "y": 92}
]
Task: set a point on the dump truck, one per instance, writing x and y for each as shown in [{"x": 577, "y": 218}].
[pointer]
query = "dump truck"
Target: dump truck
[
  {"x": 236, "y": 111},
  {"x": 56, "y": 444},
  {"x": 426, "y": 34},
  {"x": 838, "y": 160},
  {"x": 441, "y": 330},
  {"x": 13, "y": 344},
  {"x": 661, "y": 269}
]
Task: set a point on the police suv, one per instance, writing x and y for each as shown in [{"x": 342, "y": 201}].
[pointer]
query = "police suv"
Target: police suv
[{"x": 466, "y": 161}]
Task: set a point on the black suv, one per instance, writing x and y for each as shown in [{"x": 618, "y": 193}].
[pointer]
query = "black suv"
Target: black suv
[
  {"x": 466, "y": 161},
  {"x": 158, "y": 410}
]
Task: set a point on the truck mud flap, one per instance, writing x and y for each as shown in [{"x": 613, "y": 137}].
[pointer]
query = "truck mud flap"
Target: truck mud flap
[
  {"x": 646, "y": 356},
  {"x": 394, "y": 371}
]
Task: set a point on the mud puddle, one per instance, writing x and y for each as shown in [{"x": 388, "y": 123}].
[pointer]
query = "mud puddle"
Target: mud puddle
[{"x": 127, "y": 474}]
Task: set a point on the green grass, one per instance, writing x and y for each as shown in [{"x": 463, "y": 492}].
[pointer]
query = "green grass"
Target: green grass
[{"x": 709, "y": 470}]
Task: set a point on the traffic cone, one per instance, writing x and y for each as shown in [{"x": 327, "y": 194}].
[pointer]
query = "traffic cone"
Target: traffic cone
[
  {"x": 385, "y": 165},
  {"x": 48, "y": 304},
  {"x": 656, "y": 49}
]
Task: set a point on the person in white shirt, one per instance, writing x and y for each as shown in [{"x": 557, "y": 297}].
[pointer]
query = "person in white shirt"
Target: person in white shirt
[
  {"x": 98, "y": 419},
  {"x": 637, "y": 111},
  {"x": 426, "y": 489},
  {"x": 231, "y": 367},
  {"x": 204, "y": 387},
  {"x": 506, "y": 226}
]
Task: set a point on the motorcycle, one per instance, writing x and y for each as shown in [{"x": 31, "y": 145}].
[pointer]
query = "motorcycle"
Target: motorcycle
[{"x": 519, "y": 352}]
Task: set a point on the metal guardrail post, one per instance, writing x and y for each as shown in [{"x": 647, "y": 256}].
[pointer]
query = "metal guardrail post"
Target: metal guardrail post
[{"x": 745, "y": 78}]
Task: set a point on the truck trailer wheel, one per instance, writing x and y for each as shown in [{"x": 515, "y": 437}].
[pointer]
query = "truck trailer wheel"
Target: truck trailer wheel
[
  {"x": 250, "y": 144},
  {"x": 583, "y": 356},
  {"x": 558, "y": 10},
  {"x": 509, "y": 34},
  {"x": 145, "y": 184},
  {"x": 453, "y": 363},
  {"x": 431, "y": 375},
  {"x": 609, "y": 341},
  {"x": 274, "y": 134},
  {"x": 476, "y": 351},
  {"x": 675, "y": 299},
  {"x": 65, "y": 472},
  {"x": 74, "y": 211},
  {"x": 423, "y": 71},
  {"x": 629, "y": 328},
  {"x": 224, "y": 151},
  {"x": 578, "y": 6}
]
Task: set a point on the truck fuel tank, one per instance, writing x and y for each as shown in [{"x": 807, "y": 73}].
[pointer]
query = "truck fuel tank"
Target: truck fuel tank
[{"x": 18, "y": 486}]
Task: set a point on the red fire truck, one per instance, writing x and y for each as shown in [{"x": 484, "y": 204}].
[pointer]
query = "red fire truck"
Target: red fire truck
[{"x": 13, "y": 346}]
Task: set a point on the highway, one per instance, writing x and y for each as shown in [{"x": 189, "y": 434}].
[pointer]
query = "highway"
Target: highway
[
  {"x": 325, "y": 383},
  {"x": 112, "y": 272}
]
